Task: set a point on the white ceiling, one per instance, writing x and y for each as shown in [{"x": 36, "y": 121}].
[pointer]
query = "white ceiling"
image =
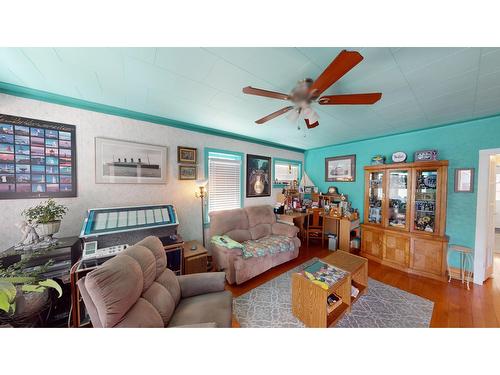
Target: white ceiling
[{"x": 422, "y": 87}]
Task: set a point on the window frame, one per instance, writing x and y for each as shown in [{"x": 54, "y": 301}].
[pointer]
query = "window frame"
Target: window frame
[
  {"x": 286, "y": 161},
  {"x": 238, "y": 155}
]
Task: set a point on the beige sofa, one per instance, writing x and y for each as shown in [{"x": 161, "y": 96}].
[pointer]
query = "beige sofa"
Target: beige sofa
[
  {"x": 135, "y": 289},
  {"x": 245, "y": 225}
]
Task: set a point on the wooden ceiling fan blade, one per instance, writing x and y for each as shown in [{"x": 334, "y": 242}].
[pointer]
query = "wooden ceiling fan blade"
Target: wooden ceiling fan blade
[
  {"x": 268, "y": 94},
  {"x": 273, "y": 115},
  {"x": 345, "y": 61},
  {"x": 352, "y": 99},
  {"x": 309, "y": 125}
]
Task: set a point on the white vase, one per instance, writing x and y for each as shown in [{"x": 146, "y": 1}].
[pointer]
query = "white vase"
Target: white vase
[{"x": 47, "y": 230}]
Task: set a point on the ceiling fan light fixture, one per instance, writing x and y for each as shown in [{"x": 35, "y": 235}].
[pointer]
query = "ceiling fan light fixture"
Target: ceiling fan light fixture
[{"x": 293, "y": 115}]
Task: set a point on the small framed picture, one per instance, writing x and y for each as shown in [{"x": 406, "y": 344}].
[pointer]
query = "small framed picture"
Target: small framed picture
[
  {"x": 340, "y": 168},
  {"x": 186, "y": 155},
  {"x": 188, "y": 172},
  {"x": 464, "y": 180}
]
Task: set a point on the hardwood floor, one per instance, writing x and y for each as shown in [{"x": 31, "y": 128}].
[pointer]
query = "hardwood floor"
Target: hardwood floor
[{"x": 454, "y": 305}]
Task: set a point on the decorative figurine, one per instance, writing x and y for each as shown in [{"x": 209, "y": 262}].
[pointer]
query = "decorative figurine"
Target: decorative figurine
[{"x": 30, "y": 237}]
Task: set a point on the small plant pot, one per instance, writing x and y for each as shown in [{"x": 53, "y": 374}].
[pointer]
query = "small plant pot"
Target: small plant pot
[
  {"x": 31, "y": 310},
  {"x": 47, "y": 230}
]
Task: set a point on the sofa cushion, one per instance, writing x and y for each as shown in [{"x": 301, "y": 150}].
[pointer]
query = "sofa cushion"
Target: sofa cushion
[
  {"x": 260, "y": 215},
  {"x": 169, "y": 280},
  {"x": 260, "y": 231},
  {"x": 146, "y": 260},
  {"x": 205, "y": 308},
  {"x": 141, "y": 315},
  {"x": 225, "y": 221},
  {"x": 268, "y": 245},
  {"x": 114, "y": 287},
  {"x": 154, "y": 244},
  {"x": 239, "y": 235},
  {"x": 161, "y": 299}
]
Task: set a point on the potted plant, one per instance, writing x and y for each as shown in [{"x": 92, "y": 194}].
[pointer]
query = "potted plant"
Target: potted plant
[
  {"x": 47, "y": 216},
  {"x": 24, "y": 296}
]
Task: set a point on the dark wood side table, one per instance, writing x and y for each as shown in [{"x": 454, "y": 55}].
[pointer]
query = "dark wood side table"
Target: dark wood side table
[{"x": 195, "y": 261}]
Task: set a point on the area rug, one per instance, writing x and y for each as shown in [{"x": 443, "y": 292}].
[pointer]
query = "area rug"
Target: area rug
[{"x": 382, "y": 306}]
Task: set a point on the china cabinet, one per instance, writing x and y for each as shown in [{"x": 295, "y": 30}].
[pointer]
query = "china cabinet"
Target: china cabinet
[{"x": 405, "y": 216}]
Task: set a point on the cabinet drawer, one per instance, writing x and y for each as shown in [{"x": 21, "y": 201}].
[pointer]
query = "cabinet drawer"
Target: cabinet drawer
[
  {"x": 397, "y": 249},
  {"x": 427, "y": 256}
]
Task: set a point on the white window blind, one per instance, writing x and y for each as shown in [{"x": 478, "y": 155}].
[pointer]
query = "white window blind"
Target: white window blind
[
  {"x": 285, "y": 172},
  {"x": 224, "y": 182}
]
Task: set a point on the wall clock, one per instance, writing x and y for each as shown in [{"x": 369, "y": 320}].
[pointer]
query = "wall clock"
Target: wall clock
[{"x": 399, "y": 157}]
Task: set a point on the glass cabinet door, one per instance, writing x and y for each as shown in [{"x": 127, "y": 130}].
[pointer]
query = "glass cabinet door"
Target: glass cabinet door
[
  {"x": 375, "y": 197},
  {"x": 398, "y": 199},
  {"x": 425, "y": 200}
]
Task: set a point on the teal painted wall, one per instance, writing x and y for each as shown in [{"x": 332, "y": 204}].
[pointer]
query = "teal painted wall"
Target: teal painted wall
[{"x": 459, "y": 143}]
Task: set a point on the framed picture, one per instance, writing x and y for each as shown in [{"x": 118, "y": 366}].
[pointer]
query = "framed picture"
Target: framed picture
[
  {"x": 425, "y": 155},
  {"x": 37, "y": 158},
  {"x": 186, "y": 155},
  {"x": 258, "y": 176},
  {"x": 340, "y": 168},
  {"x": 188, "y": 172},
  {"x": 464, "y": 180},
  {"x": 124, "y": 162}
]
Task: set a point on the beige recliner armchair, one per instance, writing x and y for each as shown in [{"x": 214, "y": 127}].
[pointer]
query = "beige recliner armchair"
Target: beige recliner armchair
[{"x": 135, "y": 289}]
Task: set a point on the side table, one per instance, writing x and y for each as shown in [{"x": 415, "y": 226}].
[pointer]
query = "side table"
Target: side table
[{"x": 195, "y": 261}]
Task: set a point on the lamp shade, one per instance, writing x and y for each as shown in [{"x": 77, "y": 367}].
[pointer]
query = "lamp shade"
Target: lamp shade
[{"x": 201, "y": 183}]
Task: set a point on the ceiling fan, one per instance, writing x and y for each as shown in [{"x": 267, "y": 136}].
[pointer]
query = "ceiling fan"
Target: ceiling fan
[{"x": 308, "y": 91}]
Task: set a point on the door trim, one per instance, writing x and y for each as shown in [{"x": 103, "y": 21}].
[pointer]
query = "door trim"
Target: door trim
[{"x": 480, "y": 252}]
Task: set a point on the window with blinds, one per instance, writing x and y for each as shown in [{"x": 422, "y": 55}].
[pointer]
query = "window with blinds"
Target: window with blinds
[{"x": 224, "y": 181}]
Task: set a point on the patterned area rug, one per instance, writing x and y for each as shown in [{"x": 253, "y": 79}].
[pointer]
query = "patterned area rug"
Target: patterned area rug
[{"x": 269, "y": 306}]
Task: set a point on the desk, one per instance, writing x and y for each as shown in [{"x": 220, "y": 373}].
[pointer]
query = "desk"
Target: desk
[{"x": 342, "y": 227}]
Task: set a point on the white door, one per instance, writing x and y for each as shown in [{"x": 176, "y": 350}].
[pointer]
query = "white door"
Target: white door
[{"x": 492, "y": 192}]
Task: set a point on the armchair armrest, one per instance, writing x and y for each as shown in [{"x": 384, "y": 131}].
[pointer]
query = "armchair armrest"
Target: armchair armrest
[
  {"x": 201, "y": 283},
  {"x": 284, "y": 230}
]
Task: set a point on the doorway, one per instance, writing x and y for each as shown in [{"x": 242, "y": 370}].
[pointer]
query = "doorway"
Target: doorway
[{"x": 487, "y": 245}]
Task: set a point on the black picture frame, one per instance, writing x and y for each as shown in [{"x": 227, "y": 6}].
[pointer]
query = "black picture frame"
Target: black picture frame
[
  {"x": 258, "y": 176},
  {"x": 43, "y": 162},
  {"x": 331, "y": 174}
]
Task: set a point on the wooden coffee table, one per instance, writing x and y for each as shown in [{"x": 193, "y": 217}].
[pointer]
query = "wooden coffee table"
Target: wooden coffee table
[
  {"x": 357, "y": 266},
  {"x": 309, "y": 301}
]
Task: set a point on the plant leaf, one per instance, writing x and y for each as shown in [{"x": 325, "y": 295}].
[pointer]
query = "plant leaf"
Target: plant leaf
[
  {"x": 32, "y": 288},
  {"x": 9, "y": 290},
  {"x": 4, "y": 302},
  {"x": 52, "y": 284},
  {"x": 17, "y": 280}
]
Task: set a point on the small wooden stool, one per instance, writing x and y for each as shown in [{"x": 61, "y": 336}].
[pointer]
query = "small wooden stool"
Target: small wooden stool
[{"x": 466, "y": 263}]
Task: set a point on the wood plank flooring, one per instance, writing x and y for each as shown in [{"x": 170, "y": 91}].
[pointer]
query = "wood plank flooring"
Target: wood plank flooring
[{"x": 454, "y": 305}]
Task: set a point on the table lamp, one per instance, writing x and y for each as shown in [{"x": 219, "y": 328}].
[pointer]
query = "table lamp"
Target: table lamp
[{"x": 202, "y": 193}]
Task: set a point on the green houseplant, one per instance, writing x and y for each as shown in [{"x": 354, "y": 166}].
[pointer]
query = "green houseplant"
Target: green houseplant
[
  {"x": 24, "y": 295},
  {"x": 47, "y": 215}
]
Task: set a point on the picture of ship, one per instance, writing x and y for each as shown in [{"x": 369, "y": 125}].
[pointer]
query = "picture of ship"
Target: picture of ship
[
  {"x": 130, "y": 167},
  {"x": 129, "y": 162}
]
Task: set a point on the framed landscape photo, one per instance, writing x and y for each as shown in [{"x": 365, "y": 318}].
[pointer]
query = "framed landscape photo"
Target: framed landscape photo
[
  {"x": 187, "y": 155},
  {"x": 340, "y": 168},
  {"x": 464, "y": 180},
  {"x": 258, "y": 176},
  {"x": 37, "y": 158},
  {"x": 188, "y": 172},
  {"x": 124, "y": 162}
]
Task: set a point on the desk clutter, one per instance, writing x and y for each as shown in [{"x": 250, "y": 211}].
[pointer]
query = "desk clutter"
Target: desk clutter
[{"x": 320, "y": 215}]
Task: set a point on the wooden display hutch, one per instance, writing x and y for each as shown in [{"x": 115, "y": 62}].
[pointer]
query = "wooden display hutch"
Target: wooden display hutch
[{"x": 405, "y": 217}]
